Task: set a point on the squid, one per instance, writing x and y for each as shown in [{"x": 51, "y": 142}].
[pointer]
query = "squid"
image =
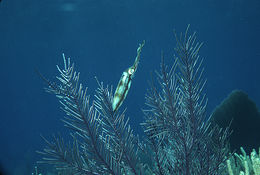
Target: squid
[{"x": 124, "y": 83}]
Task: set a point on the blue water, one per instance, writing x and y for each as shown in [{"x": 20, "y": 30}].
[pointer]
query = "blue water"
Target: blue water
[{"x": 101, "y": 37}]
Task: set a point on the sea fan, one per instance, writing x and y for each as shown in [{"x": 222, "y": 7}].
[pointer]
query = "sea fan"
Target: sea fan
[
  {"x": 90, "y": 153},
  {"x": 183, "y": 139},
  {"x": 180, "y": 139},
  {"x": 103, "y": 141}
]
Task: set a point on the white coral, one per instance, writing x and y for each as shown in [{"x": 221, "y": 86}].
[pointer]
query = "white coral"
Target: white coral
[{"x": 245, "y": 164}]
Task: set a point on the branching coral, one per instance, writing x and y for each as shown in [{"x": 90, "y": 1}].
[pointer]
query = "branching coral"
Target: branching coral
[
  {"x": 244, "y": 164},
  {"x": 180, "y": 140}
]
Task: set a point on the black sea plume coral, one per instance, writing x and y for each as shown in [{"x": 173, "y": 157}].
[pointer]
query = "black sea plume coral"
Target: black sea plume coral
[
  {"x": 103, "y": 142},
  {"x": 180, "y": 139}
]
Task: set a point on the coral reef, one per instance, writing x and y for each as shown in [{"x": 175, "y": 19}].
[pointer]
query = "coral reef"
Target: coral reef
[
  {"x": 180, "y": 138},
  {"x": 245, "y": 117}
]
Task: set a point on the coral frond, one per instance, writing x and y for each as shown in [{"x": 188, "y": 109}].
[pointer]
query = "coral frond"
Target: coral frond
[
  {"x": 183, "y": 139},
  {"x": 66, "y": 157},
  {"x": 83, "y": 118},
  {"x": 117, "y": 128}
]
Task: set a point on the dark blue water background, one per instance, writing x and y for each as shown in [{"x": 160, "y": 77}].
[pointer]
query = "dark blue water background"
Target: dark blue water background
[{"x": 101, "y": 37}]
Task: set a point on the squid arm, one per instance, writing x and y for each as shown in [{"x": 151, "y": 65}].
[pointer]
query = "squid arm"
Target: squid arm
[{"x": 124, "y": 83}]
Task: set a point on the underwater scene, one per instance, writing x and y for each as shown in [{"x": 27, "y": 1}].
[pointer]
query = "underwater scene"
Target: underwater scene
[{"x": 130, "y": 87}]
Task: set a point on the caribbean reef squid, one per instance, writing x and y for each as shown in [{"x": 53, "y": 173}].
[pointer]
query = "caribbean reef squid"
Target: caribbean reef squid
[{"x": 124, "y": 83}]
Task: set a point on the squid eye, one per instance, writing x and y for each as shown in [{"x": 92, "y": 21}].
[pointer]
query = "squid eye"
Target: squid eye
[{"x": 131, "y": 71}]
